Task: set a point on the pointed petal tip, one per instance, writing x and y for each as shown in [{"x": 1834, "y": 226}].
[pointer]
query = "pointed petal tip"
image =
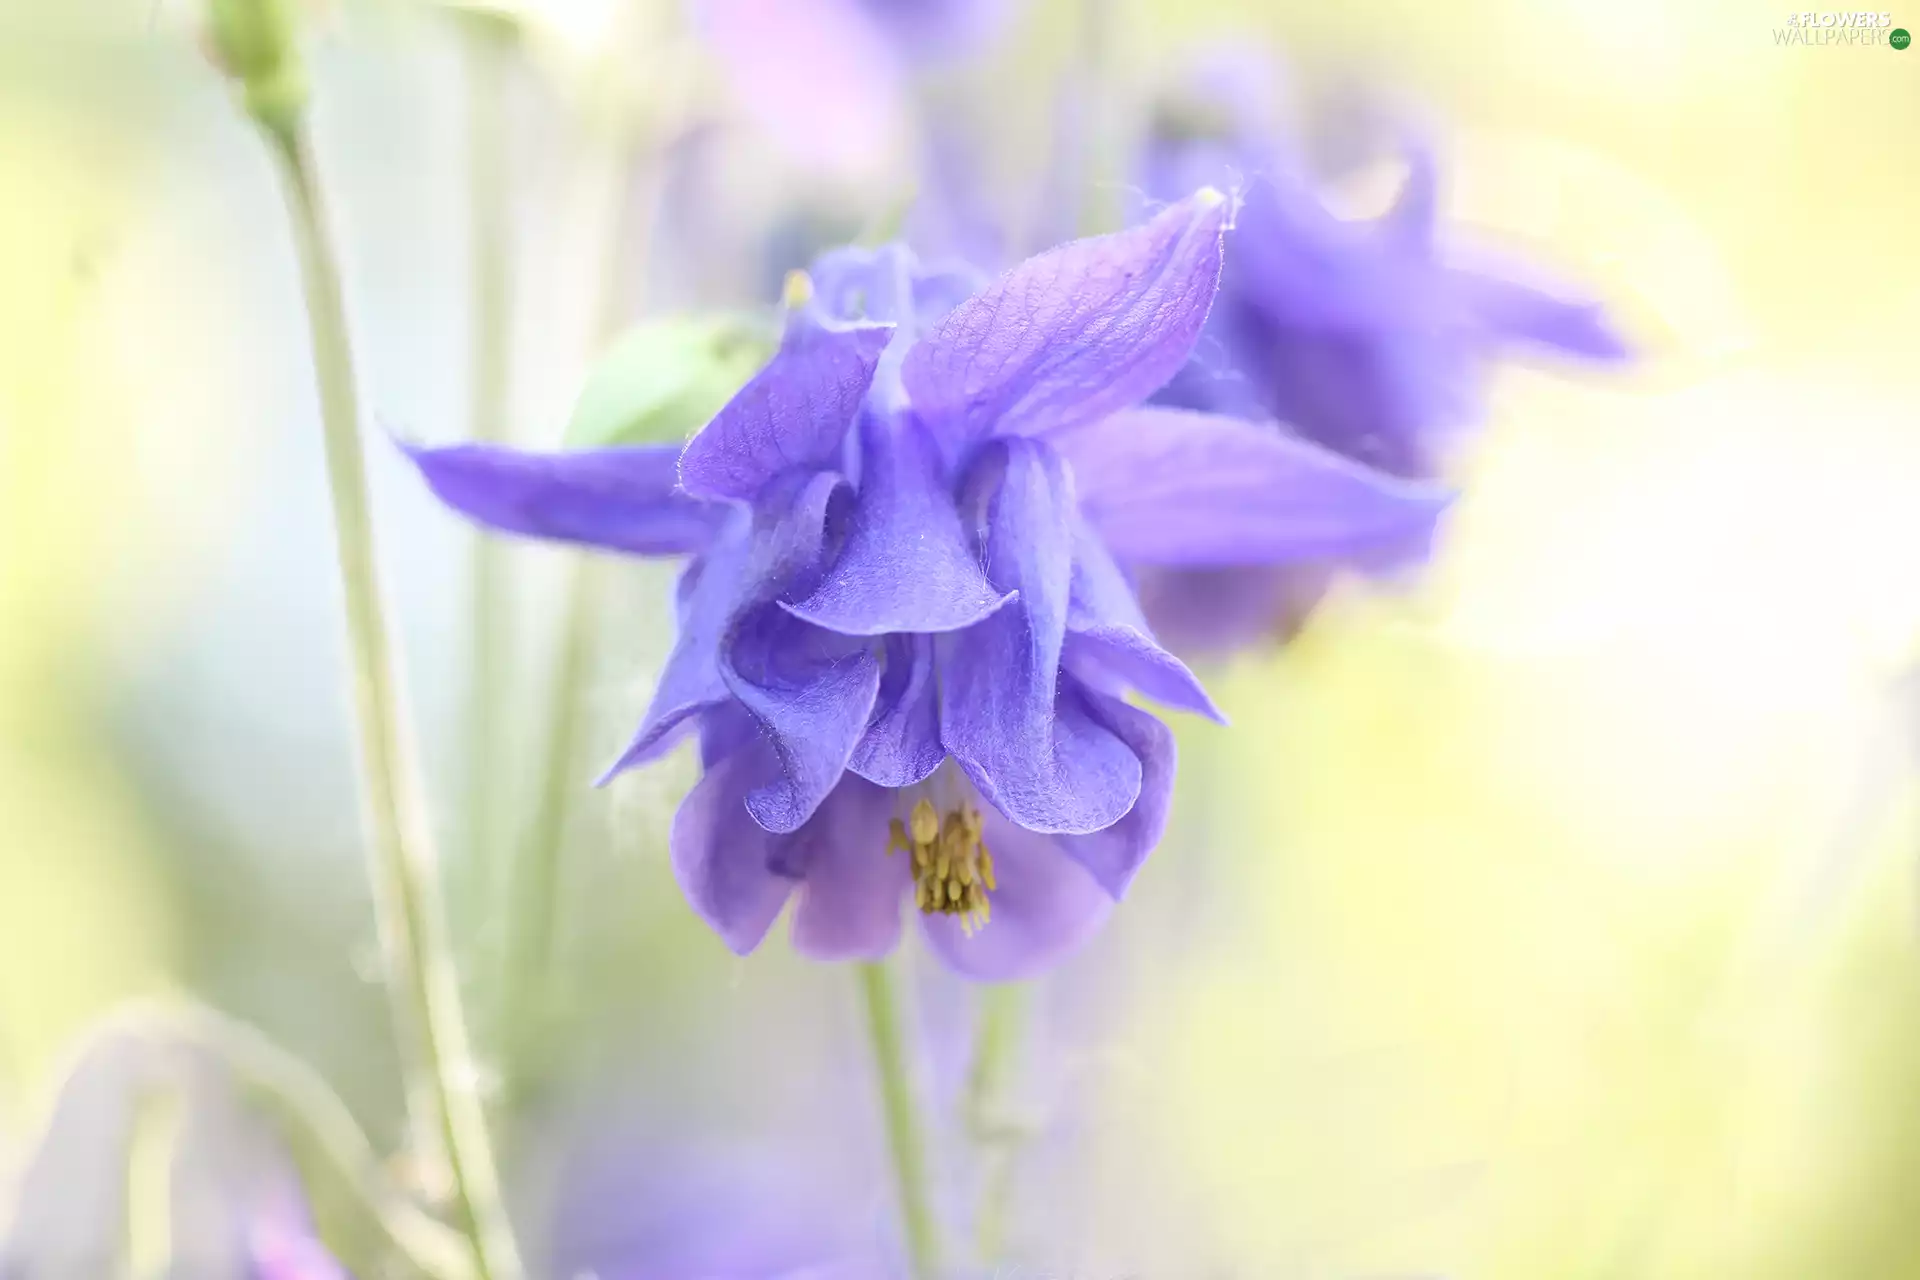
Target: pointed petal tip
[
  {"x": 1606, "y": 342},
  {"x": 962, "y": 616},
  {"x": 418, "y": 452},
  {"x": 1228, "y": 199},
  {"x": 1212, "y": 202},
  {"x": 611, "y": 772}
]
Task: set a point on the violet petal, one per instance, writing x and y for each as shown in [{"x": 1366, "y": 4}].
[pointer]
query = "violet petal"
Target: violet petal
[{"x": 1073, "y": 334}]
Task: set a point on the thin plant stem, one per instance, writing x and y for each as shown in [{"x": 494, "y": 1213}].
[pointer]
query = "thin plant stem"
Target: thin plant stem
[
  {"x": 1002, "y": 1033},
  {"x": 629, "y": 166},
  {"x": 489, "y": 46},
  {"x": 535, "y": 882},
  {"x": 421, "y": 980},
  {"x": 901, "y": 1111},
  {"x": 532, "y": 882},
  {"x": 306, "y": 1110},
  {"x": 1100, "y": 200}
]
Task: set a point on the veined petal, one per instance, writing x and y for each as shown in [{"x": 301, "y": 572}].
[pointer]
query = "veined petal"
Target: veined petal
[
  {"x": 851, "y": 889},
  {"x": 902, "y": 743},
  {"x": 795, "y": 413},
  {"x": 623, "y": 499},
  {"x": 1075, "y": 333},
  {"x": 1108, "y": 634},
  {"x": 707, "y": 594},
  {"x": 1114, "y": 854},
  {"x": 887, "y": 285},
  {"x": 1045, "y": 906},
  {"x": 1031, "y": 755},
  {"x": 782, "y": 540},
  {"x": 1169, "y": 486},
  {"x": 812, "y": 691},
  {"x": 723, "y": 859},
  {"x": 906, "y": 564}
]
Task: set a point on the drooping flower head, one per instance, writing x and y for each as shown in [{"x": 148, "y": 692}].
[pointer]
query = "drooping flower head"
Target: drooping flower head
[
  {"x": 904, "y": 639},
  {"x": 1361, "y": 337}
]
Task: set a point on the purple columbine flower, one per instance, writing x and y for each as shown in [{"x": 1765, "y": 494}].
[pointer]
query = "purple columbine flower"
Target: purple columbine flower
[
  {"x": 1360, "y": 337},
  {"x": 904, "y": 639}
]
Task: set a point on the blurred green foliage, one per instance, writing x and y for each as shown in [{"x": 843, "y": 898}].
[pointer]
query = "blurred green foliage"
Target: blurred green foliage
[{"x": 661, "y": 380}]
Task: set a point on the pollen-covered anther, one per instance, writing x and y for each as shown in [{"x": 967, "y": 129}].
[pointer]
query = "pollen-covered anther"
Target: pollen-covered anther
[{"x": 952, "y": 870}]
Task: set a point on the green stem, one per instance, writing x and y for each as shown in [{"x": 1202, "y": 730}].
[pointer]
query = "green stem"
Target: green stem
[
  {"x": 1100, "y": 197},
  {"x": 535, "y": 878},
  {"x": 489, "y": 45},
  {"x": 902, "y": 1116},
  {"x": 308, "y": 1113},
  {"x": 421, "y": 979},
  {"x": 1003, "y": 1019},
  {"x": 621, "y": 234},
  {"x": 532, "y": 882}
]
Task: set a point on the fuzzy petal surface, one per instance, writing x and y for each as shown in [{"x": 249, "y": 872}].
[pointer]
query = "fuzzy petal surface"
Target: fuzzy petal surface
[
  {"x": 620, "y": 499},
  {"x": 793, "y": 414},
  {"x": 1036, "y": 758},
  {"x": 902, "y": 743},
  {"x": 1074, "y": 334},
  {"x": 906, "y": 565}
]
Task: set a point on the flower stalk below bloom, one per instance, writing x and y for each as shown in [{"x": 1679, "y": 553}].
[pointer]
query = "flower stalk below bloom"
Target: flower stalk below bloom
[
  {"x": 902, "y": 1115},
  {"x": 994, "y": 1131},
  {"x": 490, "y": 46},
  {"x": 421, "y": 977}
]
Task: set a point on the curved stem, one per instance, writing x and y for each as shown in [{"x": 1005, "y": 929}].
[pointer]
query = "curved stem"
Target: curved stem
[
  {"x": 301, "y": 1100},
  {"x": 488, "y": 45},
  {"x": 421, "y": 978},
  {"x": 902, "y": 1116}
]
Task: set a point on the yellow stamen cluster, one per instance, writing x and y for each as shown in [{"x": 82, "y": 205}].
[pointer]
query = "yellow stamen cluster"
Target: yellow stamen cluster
[{"x": 952, "y": 870}]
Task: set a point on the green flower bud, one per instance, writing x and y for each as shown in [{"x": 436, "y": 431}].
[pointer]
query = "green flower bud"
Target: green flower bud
[{"x": 256, "y": 42}]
